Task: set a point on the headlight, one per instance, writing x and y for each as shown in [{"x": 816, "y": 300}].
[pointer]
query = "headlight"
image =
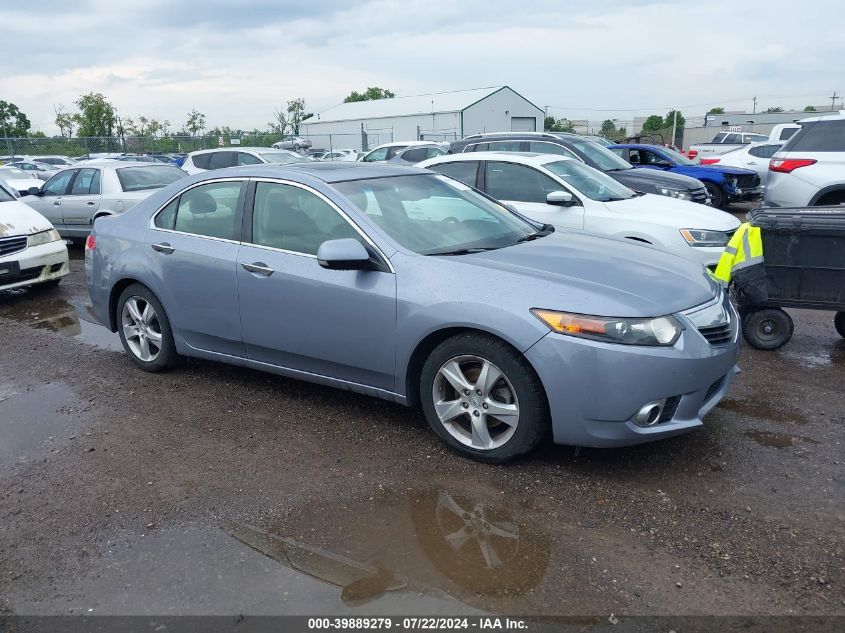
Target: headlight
[
  {"x": 701, "y": 237},
  {"x": 663, "y": 331},
  {"x": 44, "y": 237},
  {"x": 681, "y": 194}
]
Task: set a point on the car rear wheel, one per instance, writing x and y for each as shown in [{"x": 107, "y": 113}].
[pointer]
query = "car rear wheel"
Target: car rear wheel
[
  {"x": 717, "y": 196},
  {"x": 145, "y": 330},
  {"x": 839, "y": 323},
  {"x": 767, "y": 329},
  {"x": 483, "y": 399}
]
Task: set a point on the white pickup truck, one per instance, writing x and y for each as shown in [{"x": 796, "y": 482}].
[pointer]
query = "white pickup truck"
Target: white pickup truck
[{"x": 724, "y": 142}]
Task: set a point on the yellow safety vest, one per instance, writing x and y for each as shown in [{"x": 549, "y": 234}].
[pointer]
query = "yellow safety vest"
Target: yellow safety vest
[{"x": 743, "y": 250}]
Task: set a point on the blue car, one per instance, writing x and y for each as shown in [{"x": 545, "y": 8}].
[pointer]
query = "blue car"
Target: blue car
[
  {"x": 724, "y": 184},
  {"x": 404, "y": 284}
]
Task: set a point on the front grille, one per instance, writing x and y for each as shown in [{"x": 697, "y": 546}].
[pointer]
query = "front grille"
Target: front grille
[
  {"x": 699, "y": 195},
  {"x": 718, "y": 334},
  {"x": 748, "y": 181},
  {"x": 11, "y": 245},
  {"x": 669, "y": 409}
]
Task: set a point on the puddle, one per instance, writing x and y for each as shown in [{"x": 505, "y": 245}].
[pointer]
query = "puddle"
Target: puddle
[
  {"x": 35, "y": 421},
  {"x": 809, "y": 360},
  {"x": 58, "y": 315},
  {"x": 762, "y": 410},
  {"x": 777, "y": 440}
]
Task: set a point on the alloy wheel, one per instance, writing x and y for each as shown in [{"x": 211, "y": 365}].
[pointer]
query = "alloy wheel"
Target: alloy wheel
[
  {"x": 475, "y": 402},
  {"x": 141, "y": 328}
]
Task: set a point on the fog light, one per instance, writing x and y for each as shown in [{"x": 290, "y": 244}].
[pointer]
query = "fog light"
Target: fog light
[{"x": 649, "y": 414}]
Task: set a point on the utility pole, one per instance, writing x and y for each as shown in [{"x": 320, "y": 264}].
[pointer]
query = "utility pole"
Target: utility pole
[
  {"x": 674, "y": 126},
  {"x": 754, "y": 111},
  {"x": 833, "y": 98}
]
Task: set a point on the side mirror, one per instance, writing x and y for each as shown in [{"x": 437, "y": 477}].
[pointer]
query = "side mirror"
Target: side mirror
[
  {"x": 560, "y": 198},
  {"x": 344, "y": 254},
  {"x": 33, "y": 191}
]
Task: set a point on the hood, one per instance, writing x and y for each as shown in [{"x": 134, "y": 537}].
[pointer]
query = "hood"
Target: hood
[
  {"x": 648, "y": 180},
  {"x": 588, "y": 274},
  {"x": 22, "y": 184},
  {"x": 680, "y": 213},
  {"x": 703, "y": 170},
  {"x": 16, "y": 218}
]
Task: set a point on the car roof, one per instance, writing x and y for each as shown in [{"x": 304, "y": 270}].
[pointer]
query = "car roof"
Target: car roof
[
  {"x": 327, "y": 172},
  {"x": 832, "y": 117},
  {"x": 239, "y": 148},
  {"x": 526, "y": 158},
  {"x": 404, "y": 143}
]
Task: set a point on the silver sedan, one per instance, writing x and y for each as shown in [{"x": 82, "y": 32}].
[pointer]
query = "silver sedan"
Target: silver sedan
[{"x": 74, "y": 197}]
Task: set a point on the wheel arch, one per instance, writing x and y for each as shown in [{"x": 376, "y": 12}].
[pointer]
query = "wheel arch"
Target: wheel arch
[
  {"x": 826, "y": 191},
  {"x": 116, "y": 290},
  {"x": 424, "y": 347}
]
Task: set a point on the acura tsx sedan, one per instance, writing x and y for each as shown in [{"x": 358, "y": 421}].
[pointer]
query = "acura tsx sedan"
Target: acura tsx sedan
[{"x": 407, "y": 285}]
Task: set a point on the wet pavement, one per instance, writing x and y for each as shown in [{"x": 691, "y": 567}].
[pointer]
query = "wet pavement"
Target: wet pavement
[{"x": 214, "y": 489}]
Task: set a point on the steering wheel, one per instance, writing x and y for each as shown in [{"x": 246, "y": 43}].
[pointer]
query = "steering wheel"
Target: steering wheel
[{"x": 450, "y": 220}]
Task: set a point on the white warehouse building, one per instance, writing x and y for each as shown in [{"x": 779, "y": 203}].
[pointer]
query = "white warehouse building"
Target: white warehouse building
[{"x": 443, "y": 116}]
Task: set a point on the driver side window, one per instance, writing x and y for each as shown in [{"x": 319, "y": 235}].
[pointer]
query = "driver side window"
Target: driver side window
[
  {"x": 57, "y": 185},
  {"x": 651, "y": 158},
  {"x": 509, "y": 181}
]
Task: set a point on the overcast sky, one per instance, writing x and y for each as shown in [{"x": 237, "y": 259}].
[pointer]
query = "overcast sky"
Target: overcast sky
[{"x": 594, "y": 59}]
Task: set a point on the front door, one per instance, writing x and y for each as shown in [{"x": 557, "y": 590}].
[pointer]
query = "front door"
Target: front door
[
  {"x": 526, "y": 189},
  {"x": 192, "y": 254},
  {"x": 298, "y": 315},
  {"x": 82, "y": 201},
  {"x": 49, "y": 202}
]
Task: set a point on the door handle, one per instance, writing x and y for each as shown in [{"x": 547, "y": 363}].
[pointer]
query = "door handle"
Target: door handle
[
  {"x": 259, "y": 268},
  {"x": 57, "y": 203},
  {"x": 752, "y": 162},
  {"x": 90, "y": 203},
  {"x": 164, "y": 247}
]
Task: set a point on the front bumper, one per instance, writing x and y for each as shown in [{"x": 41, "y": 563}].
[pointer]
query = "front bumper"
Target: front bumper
[
  {"x": 707, "y": 256},
  {"x": 594, "y": 389},
  {"x": 747, "y": 194},
  {"x": 34, "y": 265}
]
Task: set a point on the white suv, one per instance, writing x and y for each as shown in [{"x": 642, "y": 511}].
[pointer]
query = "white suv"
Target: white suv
[
  {"x": 810, "y": 169},
  {"x": 207, "y": 159},
  {"x": 568, "y": 194}
]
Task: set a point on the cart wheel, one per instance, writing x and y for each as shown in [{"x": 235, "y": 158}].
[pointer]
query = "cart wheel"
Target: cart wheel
[
  {"x": 768, "y": 328},
  {"x": 839, "y": 323}
]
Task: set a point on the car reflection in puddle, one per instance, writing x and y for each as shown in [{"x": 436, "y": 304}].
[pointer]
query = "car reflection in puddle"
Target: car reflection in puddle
[
  {"x": 58, "y": 315},
  {"x": 436, "y": 544}
]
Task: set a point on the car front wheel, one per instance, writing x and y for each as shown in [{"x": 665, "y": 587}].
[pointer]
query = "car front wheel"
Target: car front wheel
[
  {"x": 145, "y": 330},
  {"x": 483, "y": 399}
]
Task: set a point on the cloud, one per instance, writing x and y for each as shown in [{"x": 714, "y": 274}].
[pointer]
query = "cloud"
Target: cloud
[{"x": 237, "y": 61}]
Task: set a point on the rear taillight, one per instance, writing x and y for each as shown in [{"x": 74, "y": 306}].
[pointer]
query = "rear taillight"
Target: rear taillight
[
  {"x": 692, "y": 153},
  {"x": 787, "y": 165},
  {"x": 90, "y": 243},
  {"x": 709, "y": 161}
]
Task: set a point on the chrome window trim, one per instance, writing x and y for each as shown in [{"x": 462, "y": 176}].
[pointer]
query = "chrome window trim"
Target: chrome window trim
[
  {"x": 569, "y": 153},
  {"x": 341, "y": 212},
  {"x": 152, "y": 224}
]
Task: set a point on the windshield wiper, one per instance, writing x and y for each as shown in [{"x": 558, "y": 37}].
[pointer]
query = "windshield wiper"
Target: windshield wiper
[{"x": 465, "y": 251}]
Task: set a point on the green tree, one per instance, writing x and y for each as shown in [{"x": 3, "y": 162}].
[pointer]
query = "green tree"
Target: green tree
[
  {"x": 195, "y": 122},
  {"x": 13, "y": 121},
  {"x": 773, "y": 110},
  {"x": 608, "y": 129},
  {"x": 96, "y": 116},
  {"x": 550, "y": 124},
  {"x": 719, "y": 110},
  {"x": 280, "y": 123},
  {"x": 64, "y": 121},
  {"x": 369, "y": 94},
  {"x": 809, "y": 108},
  {"x": 296, "y": 113},
  {"x": 653, "y": 123},
  {"x": 669, "y": 121}
]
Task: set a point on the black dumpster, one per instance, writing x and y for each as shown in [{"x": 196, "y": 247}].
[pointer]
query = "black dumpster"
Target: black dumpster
[{"x": 804, "y": 258}]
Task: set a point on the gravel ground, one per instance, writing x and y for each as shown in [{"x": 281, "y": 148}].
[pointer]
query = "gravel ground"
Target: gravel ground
[{"x": 214, "y": 489}]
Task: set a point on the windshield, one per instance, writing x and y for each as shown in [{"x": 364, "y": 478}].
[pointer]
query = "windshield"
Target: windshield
[
  {"x": 432, "y": 214},
  {"x": 601, "y": 156},
  {"x": 148, "y": 177},
  {"x": 5, "y": 196},
  {"x": 283, "y": 158},
  {"x": 13, "y": 172},
  {"x": 588, "y": 181},
  {"x": 676, "y": 157}
]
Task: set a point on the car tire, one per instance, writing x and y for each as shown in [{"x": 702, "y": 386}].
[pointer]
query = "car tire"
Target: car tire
[
  {"x": 839, "y": 323},
  {"x": 768, "y": 328},
  {"x": 156, "y": 325},
  {"x": 717, "y": 196},
  {"x": 521, "y": 418}
]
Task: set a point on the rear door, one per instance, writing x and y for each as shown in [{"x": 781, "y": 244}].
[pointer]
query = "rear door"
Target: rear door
[
  {"x": 193, "y": 252},
  {"x": 82, "y": 200}
]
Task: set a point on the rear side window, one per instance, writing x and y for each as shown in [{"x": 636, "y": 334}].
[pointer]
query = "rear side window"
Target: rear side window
[
  {"x": 415, "y": 155},
  {"x": 505, "y": 146},
  {"x": 819, "y": 136},
  {"x": 152, "y": 177},
  {"x": 465, "y": 171},
  {"x": 787, "y": 133},
  {"x": 247, "y": 159},
  {"x": 764, "y": 151},
  {"x": 87, "y": 182},
  {"x": 733, "y": 138},
  {"x": 220, "y": 160},
  {"x": 201, "y": 160},
  {"x": 207, "y": 210}
]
